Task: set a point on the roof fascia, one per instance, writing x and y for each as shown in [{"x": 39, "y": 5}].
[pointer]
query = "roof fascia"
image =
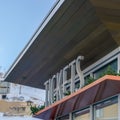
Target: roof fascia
[{"x": 33, "y": 38}]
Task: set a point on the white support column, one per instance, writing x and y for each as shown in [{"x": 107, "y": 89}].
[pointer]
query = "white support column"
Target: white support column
[{"x": 119, "y": 107}]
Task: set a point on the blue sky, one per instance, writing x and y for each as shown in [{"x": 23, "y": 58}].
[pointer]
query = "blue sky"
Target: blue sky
[{"x": 19, "y": 19}]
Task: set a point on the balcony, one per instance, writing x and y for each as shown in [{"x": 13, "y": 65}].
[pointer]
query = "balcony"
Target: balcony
[{"x": 101, "y": 89}]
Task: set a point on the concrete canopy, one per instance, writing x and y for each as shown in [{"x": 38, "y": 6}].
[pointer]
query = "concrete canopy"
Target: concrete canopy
[{"x": 74, "y": 29}]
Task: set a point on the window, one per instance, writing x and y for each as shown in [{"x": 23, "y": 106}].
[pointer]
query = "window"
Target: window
[
  {"x": 77, "y": 85},
  {"x": 4, "y": 87},
  {"x": 112, "y": 66},
  {"x": 82, "y": 115},
  {"x": 107, "y": 110},
  {"x": 63, "y": 118}
]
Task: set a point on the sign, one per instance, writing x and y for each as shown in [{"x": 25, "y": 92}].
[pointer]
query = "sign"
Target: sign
[{"x": 56, "y": 86}]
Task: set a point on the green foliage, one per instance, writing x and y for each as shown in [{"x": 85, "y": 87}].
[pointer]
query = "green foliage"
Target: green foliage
[
  {"x": 89, "y": 80},
  {"x": 109, "y": 71},
  {"x": 35, "y": 109},
  {"x": 54, "y": 98},
  {"x": 77, "y": 85},
  {"x": 67, "y": 93}
]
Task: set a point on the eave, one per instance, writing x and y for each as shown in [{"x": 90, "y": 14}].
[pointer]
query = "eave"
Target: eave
[{"x": 74, "y": 29}]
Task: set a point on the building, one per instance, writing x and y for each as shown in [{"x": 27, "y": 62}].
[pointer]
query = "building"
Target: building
[
  {"x": 77, "y": 41},
  {"x": 4, "y": 87},
  {"x": 15, "y": 100}
]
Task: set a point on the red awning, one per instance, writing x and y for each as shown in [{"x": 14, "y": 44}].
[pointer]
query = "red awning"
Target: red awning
[{"x": 102, "y": 88}]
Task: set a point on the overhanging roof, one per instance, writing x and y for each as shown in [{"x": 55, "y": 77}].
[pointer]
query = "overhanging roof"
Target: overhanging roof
[
  {"x": 69, "y": 30},
  {"x": 102, "y": 88}
]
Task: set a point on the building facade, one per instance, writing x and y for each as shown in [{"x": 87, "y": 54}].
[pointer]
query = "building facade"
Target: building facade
[
  {"x": 71, "y": 78},
  {"x": 4, "y": 87},
  {"x": 75, "y": 56},
  {"x": 87, "y": 102}
]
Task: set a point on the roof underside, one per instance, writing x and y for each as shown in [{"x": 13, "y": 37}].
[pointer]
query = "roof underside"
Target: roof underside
[{"x": 70, "y": 32}]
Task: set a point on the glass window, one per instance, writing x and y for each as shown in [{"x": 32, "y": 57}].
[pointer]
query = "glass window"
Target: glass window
[
  {"x": 77, "y": 85},
  {"x": 107, "y": 110},
  {"x": 4, "y": 87},
  {"x": 82, "y": 115},
  {"x": 64, "y": 118},
  {"x": 88, "y": 80},
  {"x": 110, "y": 68}
]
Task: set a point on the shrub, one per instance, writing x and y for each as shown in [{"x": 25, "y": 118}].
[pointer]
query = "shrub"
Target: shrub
[{"x": 35, "y": 109}]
